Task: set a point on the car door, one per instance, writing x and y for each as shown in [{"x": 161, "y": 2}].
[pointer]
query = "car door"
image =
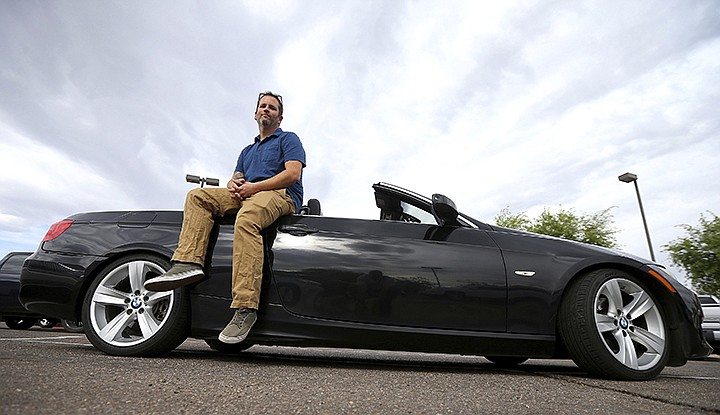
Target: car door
[{"x": 390, "y": 272}]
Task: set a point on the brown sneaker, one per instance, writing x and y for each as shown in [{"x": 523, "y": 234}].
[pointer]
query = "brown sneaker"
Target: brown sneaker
[{"x": 239, "y": 327}]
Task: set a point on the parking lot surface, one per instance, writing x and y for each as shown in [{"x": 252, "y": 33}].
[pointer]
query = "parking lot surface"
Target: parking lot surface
[{"x": 52, "y": 371}]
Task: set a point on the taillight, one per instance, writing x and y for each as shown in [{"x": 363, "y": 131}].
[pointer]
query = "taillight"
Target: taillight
[{"x": 57, "y": 229}]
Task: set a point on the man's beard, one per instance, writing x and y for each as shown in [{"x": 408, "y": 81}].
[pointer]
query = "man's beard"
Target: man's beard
[{"x": 267, "y": 122}]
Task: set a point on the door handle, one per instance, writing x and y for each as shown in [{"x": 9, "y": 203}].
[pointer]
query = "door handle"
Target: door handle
[{"x": 297, "y": 230}]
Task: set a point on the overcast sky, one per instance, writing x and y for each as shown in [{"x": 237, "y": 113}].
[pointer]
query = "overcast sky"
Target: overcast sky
[{"x": 106, "y": 105}]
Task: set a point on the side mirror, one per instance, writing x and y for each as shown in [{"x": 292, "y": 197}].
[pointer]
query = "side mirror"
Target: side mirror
[{"x": 444, "y": 210}]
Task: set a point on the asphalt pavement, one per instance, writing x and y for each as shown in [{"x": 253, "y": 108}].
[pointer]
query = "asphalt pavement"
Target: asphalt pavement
[{"x": 52, "y": 371}]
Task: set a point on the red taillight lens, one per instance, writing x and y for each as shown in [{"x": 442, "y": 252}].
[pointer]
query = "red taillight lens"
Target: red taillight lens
[{"x": 57, "y": 229}]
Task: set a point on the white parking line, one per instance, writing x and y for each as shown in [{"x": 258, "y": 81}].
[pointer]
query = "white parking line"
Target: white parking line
[
  {"x": 40, "y": 339},
  {"x": 63, "y": 343},
  {"x": 690, "y": 377}
]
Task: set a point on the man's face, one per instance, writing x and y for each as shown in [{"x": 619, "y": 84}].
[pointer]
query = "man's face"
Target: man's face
[{"x": 268, "y": 112}]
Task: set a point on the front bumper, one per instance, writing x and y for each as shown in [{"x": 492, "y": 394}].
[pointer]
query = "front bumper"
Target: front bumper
[{"x": 711, "y": 331}]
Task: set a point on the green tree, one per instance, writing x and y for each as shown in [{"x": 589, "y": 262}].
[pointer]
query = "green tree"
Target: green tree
[
  {"x": 509, "y": 220},
  {"x": 596, "y": 228},
  {"x": 698, "y": 253}
]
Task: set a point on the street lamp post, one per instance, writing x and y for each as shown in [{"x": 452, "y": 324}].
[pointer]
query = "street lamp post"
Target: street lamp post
[{"x": 627, "y": 178}]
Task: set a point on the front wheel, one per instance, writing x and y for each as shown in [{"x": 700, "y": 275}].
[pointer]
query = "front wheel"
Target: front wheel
[
  {"x": 613, "y": 326},
  {"x": 121, "y": 318}
]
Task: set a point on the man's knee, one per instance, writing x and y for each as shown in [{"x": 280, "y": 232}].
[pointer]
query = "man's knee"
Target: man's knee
[
  {"x": 197, "y": 199},
  {"x": 250, "y": 229},
  {"x": 193, "y": 194},
  {"x": 256, "y": 216},
  {"x": 215, "y": 200}
]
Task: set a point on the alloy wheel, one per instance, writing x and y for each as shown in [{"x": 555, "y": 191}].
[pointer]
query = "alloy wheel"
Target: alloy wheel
[
  {"x": 122, "y": 313},
  {"x": 630, "y": 324}
]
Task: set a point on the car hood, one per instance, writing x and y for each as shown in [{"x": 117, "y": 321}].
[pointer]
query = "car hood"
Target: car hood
[{"x": 599, "y": 249}]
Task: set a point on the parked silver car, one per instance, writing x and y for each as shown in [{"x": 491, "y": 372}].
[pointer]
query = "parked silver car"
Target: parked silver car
[{"x": 711, "y": 322}]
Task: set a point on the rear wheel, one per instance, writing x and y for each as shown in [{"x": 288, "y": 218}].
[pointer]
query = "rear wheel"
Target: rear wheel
[
  {"x": 19, "y": 323},
  {"x": 613, "y": 326},
  {"x": 121, "y": 318}
]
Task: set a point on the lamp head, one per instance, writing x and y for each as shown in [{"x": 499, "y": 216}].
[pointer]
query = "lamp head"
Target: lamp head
[{"x": 627, "y": 177}]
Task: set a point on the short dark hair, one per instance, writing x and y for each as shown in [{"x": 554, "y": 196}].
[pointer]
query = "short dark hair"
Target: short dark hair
[{"x": 272, "y": 94}]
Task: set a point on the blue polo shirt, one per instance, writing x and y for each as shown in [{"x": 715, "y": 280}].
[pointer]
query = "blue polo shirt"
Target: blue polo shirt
[{"x": 264, "y": 159}]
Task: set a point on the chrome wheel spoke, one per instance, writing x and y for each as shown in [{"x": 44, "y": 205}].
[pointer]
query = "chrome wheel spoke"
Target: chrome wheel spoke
[
  {"x": 654, "y": 344},
  {"x": 148, "y": 325},
  {"x": 605, "y": 323},
  {"x": 641, "y": 304},
  {"x": 109, "y": 296},
  {"x": 114, "y": 327},
  {"x": 136, "y": 275},
  {"x": 155, "y": 297},
  {"x": 627, "y": 354},
  {"x": 614, "y": 295}
]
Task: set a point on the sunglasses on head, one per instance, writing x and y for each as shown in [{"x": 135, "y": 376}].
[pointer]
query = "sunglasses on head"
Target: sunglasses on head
[
  {"x": 270, "y": 93},
  {"x": 276, "y": 96}
]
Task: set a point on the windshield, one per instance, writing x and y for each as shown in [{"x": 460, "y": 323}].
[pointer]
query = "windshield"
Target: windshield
[{"x": 421, "y": 215}]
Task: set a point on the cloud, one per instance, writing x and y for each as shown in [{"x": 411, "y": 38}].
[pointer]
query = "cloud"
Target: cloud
[{"x": 519, "y": 104}]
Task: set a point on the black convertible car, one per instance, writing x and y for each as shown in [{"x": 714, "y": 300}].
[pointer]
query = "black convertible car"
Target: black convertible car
[{"x": 421, "y": 278}]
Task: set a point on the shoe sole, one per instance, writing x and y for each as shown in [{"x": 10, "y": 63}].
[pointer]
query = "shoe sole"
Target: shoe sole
[
  {"x": 232, "y": 340},
  {"x": 169, "y": 285},
  {"x": 236, "y": 339}
]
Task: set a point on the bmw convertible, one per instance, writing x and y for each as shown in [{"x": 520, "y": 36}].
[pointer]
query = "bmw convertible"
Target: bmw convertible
[{"x": 422, "y": 277}]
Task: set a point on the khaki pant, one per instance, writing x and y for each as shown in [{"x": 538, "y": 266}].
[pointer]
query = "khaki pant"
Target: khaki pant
[{"x": 253, "y": 215}]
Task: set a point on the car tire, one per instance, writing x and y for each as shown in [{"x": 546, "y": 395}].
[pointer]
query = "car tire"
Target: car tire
[
  {"x": 47, "y": 323},
  {"x": 613, "y": 326},
  {"x": 72, "y": 326},
  {"x": 19, "y": 323},
  {"x": 121, "y": 318},
  {"x": 506, "y": 361}
]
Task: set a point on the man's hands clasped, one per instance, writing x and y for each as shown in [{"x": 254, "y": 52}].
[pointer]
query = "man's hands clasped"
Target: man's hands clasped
[{"x": 241, "y": 189}]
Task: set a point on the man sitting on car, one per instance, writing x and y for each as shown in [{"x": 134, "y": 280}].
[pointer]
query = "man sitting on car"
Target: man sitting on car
[{"x": 266, "y": 185}]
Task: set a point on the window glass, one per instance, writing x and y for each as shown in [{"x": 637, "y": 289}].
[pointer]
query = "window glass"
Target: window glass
[
  {"x": 14, "y": 264},
  {"x": 417, "y": 213},
  {"x": 705, "y": 300}
]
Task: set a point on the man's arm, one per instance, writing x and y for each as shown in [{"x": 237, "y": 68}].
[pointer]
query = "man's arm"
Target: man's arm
[{"x": 287, "y": 177}]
